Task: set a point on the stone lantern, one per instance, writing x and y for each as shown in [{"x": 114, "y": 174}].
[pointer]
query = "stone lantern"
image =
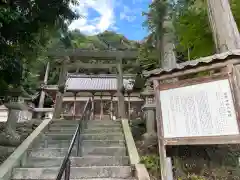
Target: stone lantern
[{"x": 149, "y": 108}]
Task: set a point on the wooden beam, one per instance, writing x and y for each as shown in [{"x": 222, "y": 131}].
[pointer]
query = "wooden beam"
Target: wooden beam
[
  {"x": 77, "y": 65},
  {"x": 231, "y": 139},
  {"x": 195, "y": 69},
  {"x": 95, "y": 54}
]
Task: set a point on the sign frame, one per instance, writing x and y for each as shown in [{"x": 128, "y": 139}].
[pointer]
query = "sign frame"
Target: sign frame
[{"x": 199, "y": 140}]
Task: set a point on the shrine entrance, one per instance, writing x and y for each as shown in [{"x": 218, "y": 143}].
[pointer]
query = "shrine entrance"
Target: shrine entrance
[{"x": 101, "y": 79}]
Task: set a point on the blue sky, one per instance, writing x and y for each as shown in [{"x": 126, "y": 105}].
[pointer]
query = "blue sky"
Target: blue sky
[{"x": 122, "y": 16}]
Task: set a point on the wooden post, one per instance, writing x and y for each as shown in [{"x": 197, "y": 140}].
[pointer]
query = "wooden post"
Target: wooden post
[
  {"x": 101, "y": 107},
  {"x": 224, "y": 28},
  {"x": 129, "y": 107},
  {"x": 93, "y": 108},
  {"x": 61, "y": 84},
  {"x": 111, "y": 107},
  {"x": 74, "y": 106},
  {"x": 236, "y": 79},
  {"x": 121, "y": 100},
  {"x": 160, "y": 133},
  {"x": 42, "y": 96}
]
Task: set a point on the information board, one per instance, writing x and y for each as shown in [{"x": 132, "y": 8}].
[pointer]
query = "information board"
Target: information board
[{"x": 205, "y": 109}]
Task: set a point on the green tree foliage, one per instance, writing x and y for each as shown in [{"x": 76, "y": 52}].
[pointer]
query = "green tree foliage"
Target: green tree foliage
[
  {"x": 25, "y": 28},
  {"x": 193, "y": 33},
  {"x": 192, "y": 30},
  {"x": 149, "y": 52},
  {"x": 147, "y": 56}
]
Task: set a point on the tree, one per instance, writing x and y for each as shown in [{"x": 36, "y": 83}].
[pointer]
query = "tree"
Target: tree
[
  {"x": 25, "y": 28},
  {"x": 154, "y": 23},
  {"x": 194, "y": 36}
]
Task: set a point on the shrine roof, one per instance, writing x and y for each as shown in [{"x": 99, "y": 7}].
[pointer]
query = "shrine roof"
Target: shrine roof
[
  {"x": 195, "y": 63},
  {"x": 79, "y": 82}
]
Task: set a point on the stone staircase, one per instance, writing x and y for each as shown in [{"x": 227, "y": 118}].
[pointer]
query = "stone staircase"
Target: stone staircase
[{"x": 103, "y": 153}]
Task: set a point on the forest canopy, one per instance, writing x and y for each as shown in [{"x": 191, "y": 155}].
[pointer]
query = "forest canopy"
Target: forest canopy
[{"x": 28, "y": 30}]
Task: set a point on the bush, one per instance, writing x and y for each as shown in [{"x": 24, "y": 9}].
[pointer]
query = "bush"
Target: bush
[
  {"x": 192, "y": 177},
  {"x": 152, "y": 164}
]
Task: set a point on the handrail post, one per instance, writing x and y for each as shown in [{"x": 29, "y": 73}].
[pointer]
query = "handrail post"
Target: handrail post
[{"x": 67, "y": 170}]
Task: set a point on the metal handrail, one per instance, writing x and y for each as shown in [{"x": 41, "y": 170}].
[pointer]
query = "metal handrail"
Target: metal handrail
[{"x": 66, "y": 163}]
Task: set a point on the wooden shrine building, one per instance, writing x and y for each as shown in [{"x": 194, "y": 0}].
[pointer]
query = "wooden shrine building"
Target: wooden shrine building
[
  {"x": 102, "y": 89},
  {"x": 95, "y": 74}
]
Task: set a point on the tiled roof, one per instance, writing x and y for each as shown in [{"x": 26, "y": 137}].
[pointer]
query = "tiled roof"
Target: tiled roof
[
  {"x": 194, "y": 63},
  {"x": 96, "y": 83}
]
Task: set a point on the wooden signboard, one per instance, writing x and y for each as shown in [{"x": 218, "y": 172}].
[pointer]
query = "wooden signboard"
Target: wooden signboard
[
  {"x": 204, "y": 109},
  {"x": 197, "y": 110}
]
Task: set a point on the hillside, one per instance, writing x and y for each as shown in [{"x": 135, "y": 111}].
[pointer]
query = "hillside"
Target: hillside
[
  {"x": 74, "y": 39},
  {"x": 105, "y": 40}
]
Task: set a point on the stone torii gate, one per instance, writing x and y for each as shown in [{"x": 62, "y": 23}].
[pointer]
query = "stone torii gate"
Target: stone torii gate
[{"x": 72, "y": 61}]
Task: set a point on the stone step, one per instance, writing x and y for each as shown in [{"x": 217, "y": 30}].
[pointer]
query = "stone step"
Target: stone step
[
  {"x": 63, "y": 125},
  {"x": 107, "y": 136},
  {"x": 50, "y": 152},
  {"x": 65, "y": 143},
  {"x": 105, "y": 179},
  {"x": 103, "y": 122},
  {"x": 76, "y": 172},
  {"x": 65, "y": 122},
  {"x": 58, "y": 136},
  {"x": 103, "y": 130},
  {"x": 65, "y": 136},
  {"x": 104, "y": 151},
  {"x": 62, "y": 129},
  {"x": 103, "y": 143},
  {"x": 88, "y": 126},
  {"x": 54, "y": 144},
  {"x": 78, "y": 161}
]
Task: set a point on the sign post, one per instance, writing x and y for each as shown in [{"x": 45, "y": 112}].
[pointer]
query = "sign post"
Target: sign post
[{"x": 196, "y": 111}]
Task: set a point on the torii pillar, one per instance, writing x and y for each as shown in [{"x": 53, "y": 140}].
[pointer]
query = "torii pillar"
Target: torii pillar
[
  {"x": 61, "y": 88},
  {"x": 121, "y": 100},
  {"x": 42, "y": 95}
]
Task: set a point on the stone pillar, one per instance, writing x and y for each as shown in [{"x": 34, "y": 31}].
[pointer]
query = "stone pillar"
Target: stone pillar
[
  {"x": 129, "y": 107},
  {"x": 121, "y": 99},
  {"x": 150, "y": 118},
  {"x": 111, "y": 107},
  {"x": 42, "y": 95},
  {"x": 61, "y": 89},
  {"x": 149, "y": 108},
  {"x": 14, "y": 113},
  {"x": 93, "y": 108},
  {"x": 74, "y": 106}
]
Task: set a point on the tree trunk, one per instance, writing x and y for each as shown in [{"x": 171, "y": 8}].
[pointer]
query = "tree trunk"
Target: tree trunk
[
  {"x": 224, "y": 28},
  {"x": 168, "y": 42},
  {"x": 168, "y": 55}
]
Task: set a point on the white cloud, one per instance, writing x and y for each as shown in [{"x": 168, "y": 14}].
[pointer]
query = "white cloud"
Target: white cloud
[
  {"x": 129, "y": 14},
  {"x": 124, "y": 16},
  {"x": 105, "y": 20}
]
